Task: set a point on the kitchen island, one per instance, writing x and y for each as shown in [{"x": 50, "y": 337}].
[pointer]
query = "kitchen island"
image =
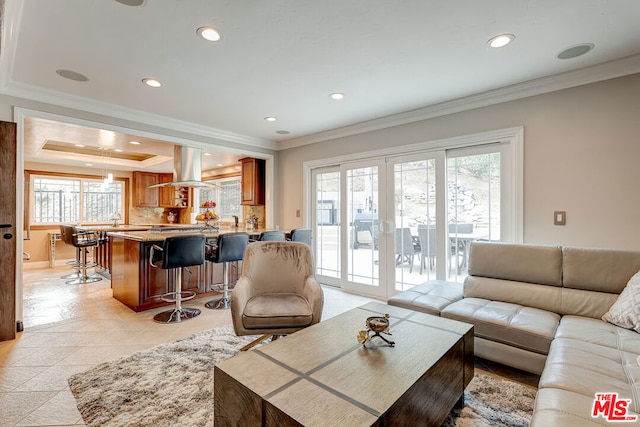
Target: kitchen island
[{"x": 139, "y": 286}]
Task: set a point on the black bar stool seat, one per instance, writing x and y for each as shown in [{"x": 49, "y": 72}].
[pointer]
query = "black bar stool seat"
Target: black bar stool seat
[
  {"x": 176, "y": 253},
  {"x": 230, "y": 248}
]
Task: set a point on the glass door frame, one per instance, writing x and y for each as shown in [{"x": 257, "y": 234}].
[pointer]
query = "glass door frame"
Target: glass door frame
[{"x": 514, "y": 137}]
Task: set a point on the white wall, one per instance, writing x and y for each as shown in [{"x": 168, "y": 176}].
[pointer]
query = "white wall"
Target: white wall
[{"x": 581, "y": 155}]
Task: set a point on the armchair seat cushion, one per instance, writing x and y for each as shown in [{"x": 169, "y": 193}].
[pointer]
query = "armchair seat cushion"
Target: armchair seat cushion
[{"x": 279, "y": 310}]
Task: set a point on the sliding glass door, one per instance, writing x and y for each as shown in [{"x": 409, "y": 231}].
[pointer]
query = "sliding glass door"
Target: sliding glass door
[{"x": 386, "y": 224}]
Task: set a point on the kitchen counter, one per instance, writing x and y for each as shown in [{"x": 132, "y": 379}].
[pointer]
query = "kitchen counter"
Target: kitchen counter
[
  {"x": 159, "y": 234},
  {"x": 139, "y": 286}
]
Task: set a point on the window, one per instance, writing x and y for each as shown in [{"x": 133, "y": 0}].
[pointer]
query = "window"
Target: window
[
  {"x": 57, "y": 199},
  {"x": 227, "y": 197}
]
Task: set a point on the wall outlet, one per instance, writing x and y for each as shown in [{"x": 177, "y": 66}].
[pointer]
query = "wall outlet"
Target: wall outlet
[
  {"x": 297, "y": 213},
  {"x": 559, "y": 218}
]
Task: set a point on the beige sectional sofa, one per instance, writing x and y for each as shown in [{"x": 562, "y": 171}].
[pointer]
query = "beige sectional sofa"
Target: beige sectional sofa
[{"x": 539, "y": 308}]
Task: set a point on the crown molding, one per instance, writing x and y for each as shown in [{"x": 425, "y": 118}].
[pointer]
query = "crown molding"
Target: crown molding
[
  {"x": 115, "y": 111},
  {"x": 605, "y": 71}
]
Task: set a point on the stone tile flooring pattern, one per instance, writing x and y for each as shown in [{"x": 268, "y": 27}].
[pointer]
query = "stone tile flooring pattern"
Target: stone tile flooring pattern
[{"x": 70, "y": 328}]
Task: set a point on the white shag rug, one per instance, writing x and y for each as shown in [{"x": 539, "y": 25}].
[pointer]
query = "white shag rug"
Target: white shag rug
[{"x": 172, "y": 385}]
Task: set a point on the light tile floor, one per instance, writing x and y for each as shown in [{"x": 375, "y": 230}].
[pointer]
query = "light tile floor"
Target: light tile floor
[{"x": 70, "y": 328}]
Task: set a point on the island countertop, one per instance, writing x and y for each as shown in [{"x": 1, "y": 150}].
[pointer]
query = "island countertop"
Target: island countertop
[
  {"x": 159, "y": 234},
  {"x": 139, "y": 286}
]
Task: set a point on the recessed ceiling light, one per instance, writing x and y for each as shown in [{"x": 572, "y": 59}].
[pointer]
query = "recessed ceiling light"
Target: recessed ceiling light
[
  {"x": 283, "y": 132},
  {"x": 151, "y": 82},
  {"x": 219, "y": 165},
  {"x": 134, "y": 142},
  {"x": 131, "y": 2},
  {"x": 337, "y": 95},
  {"x": 72, "y": 75},
  {"x": 501, "y": 40},
  {"x": 575, "y": 51},
  {"x": 270, "y": 119},
  {"x": 206, "y": 154},
  {"x": 88, "y": 164},
  {"x": 117, "y": 150},
  {"x": 79, "y": 145},
  {"x": 209, "y": 34}
]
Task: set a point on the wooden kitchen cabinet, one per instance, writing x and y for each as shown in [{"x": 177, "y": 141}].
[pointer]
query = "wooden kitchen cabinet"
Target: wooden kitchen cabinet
[
  {"x": 252, "y": 181},
  {"x": 166, "y": 195},
  {"x": 143, "y": 196},
  {"x": 139, "y": 286}
]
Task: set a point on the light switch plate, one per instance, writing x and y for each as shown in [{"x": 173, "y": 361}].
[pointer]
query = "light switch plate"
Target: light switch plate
[{"x": 559, "y": 218}]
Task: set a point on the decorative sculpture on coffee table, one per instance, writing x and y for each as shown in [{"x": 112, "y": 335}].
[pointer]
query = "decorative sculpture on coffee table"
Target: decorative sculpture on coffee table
[{"x": 378, "y": 325}]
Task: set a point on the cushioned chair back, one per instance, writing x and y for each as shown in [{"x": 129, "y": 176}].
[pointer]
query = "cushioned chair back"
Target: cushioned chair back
[
  {"x": 275, "y": 267},
  {"x": 67, "y": 234},
  {"x": 231, "y": 247},
  {"x": 182, "y": 251},
  {"x": 301, "y": 235},
  {"x": 272, "y": 236}
]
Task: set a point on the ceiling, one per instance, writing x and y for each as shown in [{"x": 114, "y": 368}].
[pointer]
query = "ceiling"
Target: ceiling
[{"x": 283, "y": 58}]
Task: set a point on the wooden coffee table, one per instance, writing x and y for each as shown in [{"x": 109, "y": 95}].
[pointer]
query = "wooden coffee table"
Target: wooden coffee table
[{"x": 321, "y": 375}]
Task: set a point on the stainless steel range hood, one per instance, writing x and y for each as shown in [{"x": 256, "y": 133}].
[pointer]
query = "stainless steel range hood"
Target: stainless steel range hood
[{"x": 187, "y": 169}]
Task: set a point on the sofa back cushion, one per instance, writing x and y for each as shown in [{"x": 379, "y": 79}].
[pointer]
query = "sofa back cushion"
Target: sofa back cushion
[
  {"x": 521, "y": 263},
  {"x": 601, "y": 270},
  {"x": 534, "y": 295}
]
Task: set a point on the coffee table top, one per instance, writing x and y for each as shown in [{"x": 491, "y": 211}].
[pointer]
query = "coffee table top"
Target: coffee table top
[{"x": 324, "y": 370}]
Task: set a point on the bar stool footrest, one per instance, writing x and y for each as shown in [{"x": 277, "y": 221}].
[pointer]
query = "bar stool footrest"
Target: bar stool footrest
[{"x": 177, "y": 296}]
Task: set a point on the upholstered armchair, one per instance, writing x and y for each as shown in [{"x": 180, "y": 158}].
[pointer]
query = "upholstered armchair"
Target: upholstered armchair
[{"x": 277, "y": 293}]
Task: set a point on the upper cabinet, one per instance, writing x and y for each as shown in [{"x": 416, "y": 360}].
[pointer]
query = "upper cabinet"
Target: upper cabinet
[
  {"x": 163, "y": 197},
  {"x": 252, "y": 181},
  {"x": 166, "y": 195},
  {"x": 143, "y": 196}
]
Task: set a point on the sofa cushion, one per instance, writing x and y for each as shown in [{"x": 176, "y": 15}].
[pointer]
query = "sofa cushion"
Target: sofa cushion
[
  {"x": 527, "y": 328},
  {"x": 588, "y": 368},
  {"x": 625, "y": 312},
  {"x": 430, "y": 297},
  {"x": 544, "y": 297},
  {"x": 557, "y": 407},
  {"x": 600, "y": 270},
  {"x": 520, "y": 263},
  {"x": 277, "y": 311},
  {"x": 596, "y": 331}
]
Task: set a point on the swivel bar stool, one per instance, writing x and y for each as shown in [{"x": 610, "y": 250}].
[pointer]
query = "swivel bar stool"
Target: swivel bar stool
[
  {"x": 301, "y": 235},
  {"x": 83, "y": 241},
  {"x": 230, "y": 248},
  {"x": 66, "y": 238},
  {"x": 273, "y": 236},
  {"x": 176, "y": 253}
]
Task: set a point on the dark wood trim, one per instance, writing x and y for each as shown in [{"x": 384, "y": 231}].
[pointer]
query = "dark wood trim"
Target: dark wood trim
[{"x": 8, "y": 241}]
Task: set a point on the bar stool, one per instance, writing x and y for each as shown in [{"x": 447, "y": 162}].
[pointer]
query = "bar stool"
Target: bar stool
[
  {"x": 66, "y": 238},
  {"x": 301, "y": 235},
  {"x": 274, "y": 236},
  {"x": 230, "y": 248},
  {"x": 176, "y": 253},
  {"x": 82, "y": 241}
]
